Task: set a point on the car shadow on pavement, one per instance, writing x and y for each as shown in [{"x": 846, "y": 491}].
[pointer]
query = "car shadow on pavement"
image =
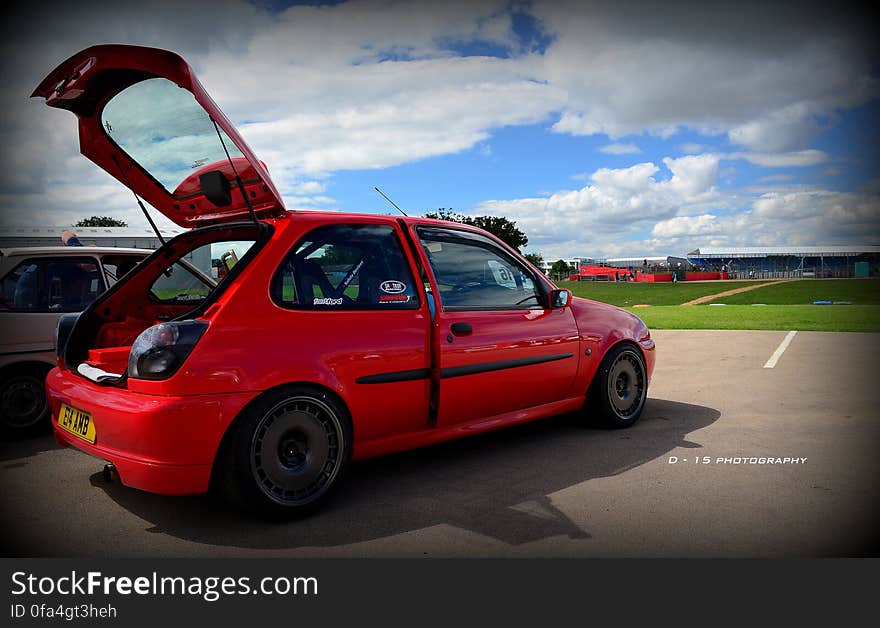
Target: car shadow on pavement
[
  {"x": 495, "y": 484},
  {"x": 14, "y": 450}
]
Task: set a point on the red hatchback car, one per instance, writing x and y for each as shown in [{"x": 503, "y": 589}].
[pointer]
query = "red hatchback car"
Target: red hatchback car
[{"x": 263, "y": 350}]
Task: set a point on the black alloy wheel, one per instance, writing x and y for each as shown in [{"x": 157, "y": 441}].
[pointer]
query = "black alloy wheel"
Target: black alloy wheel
[
  {"x": 291, "y": 449},
  {"x": 620, "y": 388}
]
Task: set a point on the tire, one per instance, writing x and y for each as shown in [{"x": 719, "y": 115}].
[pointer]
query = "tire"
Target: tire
[
  {"x": 288, "y": 452},
  {"x": 620, "y": 387},
  {"x": 24, "y": 409}
]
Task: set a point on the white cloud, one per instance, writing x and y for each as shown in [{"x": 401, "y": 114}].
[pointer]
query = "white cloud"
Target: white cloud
[
  {"x": 765, "y": 78},
  {"x": 619, "y": 208},
  {"x": 686, "y": 225},
  {"x": 314, "y": 90},
  {"x": 308, "y": 187},
  {"x": 620, "y": 149},
  {"x": 805, "y": 217},
  {"x": 692, "y": 148},
  {"x": 796, "y": 159},
  {"x": 615, "y": 203},
  {"x": 373, "y": 84}
]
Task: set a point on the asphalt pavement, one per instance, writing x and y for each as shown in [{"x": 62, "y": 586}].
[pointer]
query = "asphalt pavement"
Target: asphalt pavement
[{"x": 729, "y": 459}]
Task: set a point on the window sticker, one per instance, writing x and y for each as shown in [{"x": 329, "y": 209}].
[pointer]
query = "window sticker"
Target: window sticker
[
  {"x": 327, "y": 301},
  {"x": 393, "y": 298},
  {"x": 392, "y": 286}
]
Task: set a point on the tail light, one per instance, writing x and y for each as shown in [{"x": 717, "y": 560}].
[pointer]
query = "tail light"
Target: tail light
[{"x": 160, "y": 350}]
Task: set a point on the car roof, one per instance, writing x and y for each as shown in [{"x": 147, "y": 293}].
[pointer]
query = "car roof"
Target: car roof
[
  {"x": 73, "y": 251},
  {"x": 334, "y": 216}
]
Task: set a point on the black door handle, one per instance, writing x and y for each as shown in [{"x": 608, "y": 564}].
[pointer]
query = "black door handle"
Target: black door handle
[{"x": 461, "y": 329}]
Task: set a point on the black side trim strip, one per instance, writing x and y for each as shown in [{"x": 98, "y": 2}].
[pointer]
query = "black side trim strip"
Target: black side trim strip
[
  {"x": 486, "y": 367},
  {"x": 394, "y": 376},
  {"x": 459, "y": 371}
]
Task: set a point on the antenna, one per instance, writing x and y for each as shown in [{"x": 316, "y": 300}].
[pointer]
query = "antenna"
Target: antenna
[{"x": 390, "y": 201}]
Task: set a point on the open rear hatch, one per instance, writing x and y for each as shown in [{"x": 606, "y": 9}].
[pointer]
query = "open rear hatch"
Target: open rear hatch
[{"x": 146, "y": 120}]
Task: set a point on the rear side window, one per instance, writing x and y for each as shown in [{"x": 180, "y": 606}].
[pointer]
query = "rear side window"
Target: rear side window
[
  {"x": 52, "y": 285},
  {"x": 346, "y": 267}
]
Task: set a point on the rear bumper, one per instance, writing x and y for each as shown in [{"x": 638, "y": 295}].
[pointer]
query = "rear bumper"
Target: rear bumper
[{"x": 158, "y": 444}]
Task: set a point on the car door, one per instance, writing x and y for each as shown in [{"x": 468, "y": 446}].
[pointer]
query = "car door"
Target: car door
[
  {"x": 356, "y": 308},
  {"x": 501, "y": 348}
]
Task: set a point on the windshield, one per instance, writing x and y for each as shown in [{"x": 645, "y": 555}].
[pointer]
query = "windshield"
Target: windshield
[{"x": 165, "y": 130}]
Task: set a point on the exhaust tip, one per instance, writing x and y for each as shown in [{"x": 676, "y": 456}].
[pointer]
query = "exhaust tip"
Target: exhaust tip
[{"x": 109, "y": 473}]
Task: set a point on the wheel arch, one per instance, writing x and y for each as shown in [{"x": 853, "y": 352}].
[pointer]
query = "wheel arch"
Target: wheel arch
[
  {"x": 28, "y": 365},
  {"x": 596, "y": 400},
  {"x": 229, "y": 433}
]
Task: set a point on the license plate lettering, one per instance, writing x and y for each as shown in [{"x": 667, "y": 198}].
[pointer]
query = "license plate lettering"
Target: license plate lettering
[{"x": 77, "y": 422}]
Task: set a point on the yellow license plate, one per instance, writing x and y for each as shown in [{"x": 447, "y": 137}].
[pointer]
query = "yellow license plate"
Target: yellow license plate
[{"x": 77, "y": 422}]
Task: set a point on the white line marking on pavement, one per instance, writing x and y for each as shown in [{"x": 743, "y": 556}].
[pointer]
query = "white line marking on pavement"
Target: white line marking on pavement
[{"x": 780, "y": 350}]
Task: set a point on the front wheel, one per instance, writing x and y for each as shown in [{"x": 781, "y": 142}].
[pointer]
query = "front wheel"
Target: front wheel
[
  {"x": 289, "y": 451},
  {"x": 620, "y": 388}
]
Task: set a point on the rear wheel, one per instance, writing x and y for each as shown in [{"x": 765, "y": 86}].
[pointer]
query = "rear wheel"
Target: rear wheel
[
  {"x": 24, "y": 408},
  {"x": 620, "y": 388},
  {"x": 289, "y": 452}
]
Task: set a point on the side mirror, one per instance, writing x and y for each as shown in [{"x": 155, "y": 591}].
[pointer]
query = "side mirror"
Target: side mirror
[{"x": 559, "y": 299}]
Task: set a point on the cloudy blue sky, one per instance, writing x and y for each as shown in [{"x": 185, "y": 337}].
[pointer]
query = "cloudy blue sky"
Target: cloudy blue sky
[{"x": 603, "y": 129}]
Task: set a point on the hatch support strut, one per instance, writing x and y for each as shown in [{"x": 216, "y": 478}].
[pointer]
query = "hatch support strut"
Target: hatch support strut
[
  {"x": 138, "y": 199},
  {"x": 238, "y": 180}
]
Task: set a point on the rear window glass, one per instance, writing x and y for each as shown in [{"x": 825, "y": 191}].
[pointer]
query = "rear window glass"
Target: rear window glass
[
  {"x": 165, "y": 130},
  {"x": 192, "y": 279},
  {"x": 346, "y": 267}
]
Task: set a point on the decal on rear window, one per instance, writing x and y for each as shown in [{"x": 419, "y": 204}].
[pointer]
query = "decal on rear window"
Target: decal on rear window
[
  {"x": 392, "y": 286},
  {"x": 347, "y": 267}
]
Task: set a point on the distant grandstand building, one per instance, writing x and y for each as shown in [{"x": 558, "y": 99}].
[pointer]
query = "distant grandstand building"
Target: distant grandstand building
[
  {"x": 773, "y": 262},
  {"x": 648, "y": 264},
  {"x": 573, "y": 263},
  {"x": 127, "y": 237}
]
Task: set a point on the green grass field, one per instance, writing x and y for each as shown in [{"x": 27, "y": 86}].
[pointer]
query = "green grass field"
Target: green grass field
[
  {"x": 805, "y": 291},
  {"x": 864, "y": 318},
  {"x": 788, "y": 304},
  {"x": 627, "y": 293}
]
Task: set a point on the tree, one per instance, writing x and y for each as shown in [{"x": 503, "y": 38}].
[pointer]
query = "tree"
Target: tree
[
  {"x": 535, "y": 258},
  {"x": 101, "y": 221},
  {"x": 560, "y": 269},
  {"x": 502, "y": 228}
]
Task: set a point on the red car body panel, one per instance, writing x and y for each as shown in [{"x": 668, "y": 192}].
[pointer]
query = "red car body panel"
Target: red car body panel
[
  {"x": 407, "y": 377},
  {"x": 162, "y": 444}
]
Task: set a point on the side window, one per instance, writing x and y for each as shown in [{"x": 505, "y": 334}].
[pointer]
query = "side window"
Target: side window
[
  {"x": 473, "y": 273},
  {"x": 52, "y": 284},
  {"x": 346, "y": 267},
  {"x": 20, "y": 292},
  {"x": 192, "y": 279}
]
